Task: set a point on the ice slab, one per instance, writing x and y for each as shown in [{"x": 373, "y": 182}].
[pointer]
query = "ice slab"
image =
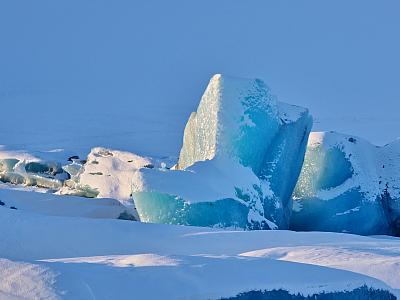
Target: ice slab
[
  {"x": 213, "y": 193},
  {"x": 348, "y": 185}
]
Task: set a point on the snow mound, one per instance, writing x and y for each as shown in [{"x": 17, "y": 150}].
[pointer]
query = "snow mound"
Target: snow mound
[
  {"x": 185, "y": 262},
  {"x": 383, "y": 263},
  {"x": 105, "y": 174}
]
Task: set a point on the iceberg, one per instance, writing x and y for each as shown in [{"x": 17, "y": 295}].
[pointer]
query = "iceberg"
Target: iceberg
[
  {"x": 214, "y": 193},
  {"x": 389, "y": 179},
  {"x": 106, "y": 173},
  {"x": 241, "y": 156},
  {"x": 348, "y": 185}
]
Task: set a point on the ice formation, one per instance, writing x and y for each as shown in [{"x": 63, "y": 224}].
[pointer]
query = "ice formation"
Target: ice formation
[
  {"x": 214, "y": 193},
  {"x": 105, "y": 174},
  {"x": 19, "y": 167},
  {"x": 240, "y": 161},
  {"x": 241, "y": 156},
  {"x": 348, "y": 185}
]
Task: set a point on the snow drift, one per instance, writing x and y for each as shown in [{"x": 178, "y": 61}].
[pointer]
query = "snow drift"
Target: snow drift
[{"x": 80, "y": 258}]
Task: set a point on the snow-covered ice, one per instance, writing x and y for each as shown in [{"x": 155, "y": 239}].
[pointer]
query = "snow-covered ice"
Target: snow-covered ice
[
  {"x": 95, "y": 96},
  {"x": 242, "y": 153},
  {"x": 348, "y": 185},
  {"x": 105, "y": 173},
  {"x": 214, "y": 193},
  {"x": 22, "y": 167},
  {"x": 43, "y": 202}
]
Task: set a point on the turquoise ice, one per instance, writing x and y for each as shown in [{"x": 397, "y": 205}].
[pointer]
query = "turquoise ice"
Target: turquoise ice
[
  {"x": 241, "y": 156},
  {"x": 347, "y": 185}
]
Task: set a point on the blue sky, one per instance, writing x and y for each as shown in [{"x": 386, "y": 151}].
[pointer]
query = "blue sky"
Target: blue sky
[{"x": 341, "y": 59}]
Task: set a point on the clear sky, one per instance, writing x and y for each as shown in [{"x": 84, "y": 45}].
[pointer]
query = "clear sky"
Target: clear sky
[{"x": 341, "y": 59}]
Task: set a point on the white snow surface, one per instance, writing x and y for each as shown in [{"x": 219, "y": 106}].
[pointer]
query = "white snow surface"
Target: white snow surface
[
  {"x": 21, "y": 280},
  {"x": 62, "y": 257},
  {"x": 42, "y": 202},
  {"x": 203, "y": 182},
  {"x": 109, "y": 172},
  {"x": 382, "y": 263},
  {"x": 28, "y": 154},
  {"x": 289, "y": 112}
]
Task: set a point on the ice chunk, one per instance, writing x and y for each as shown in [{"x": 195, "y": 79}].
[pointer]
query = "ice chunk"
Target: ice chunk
[
  {"x": 106, "y": 174},
  {"x": 213, "y": 193},
  {"x": 18, "y": 167},
  {"x": 236, "y": 118},
  {"x": 73, "y": 168},
  {"x": 283, "y": 160},
  {"x": 389, "y": 183},
  {"x": 239, "y": 131},
  {"x": 347, "y": 185}
]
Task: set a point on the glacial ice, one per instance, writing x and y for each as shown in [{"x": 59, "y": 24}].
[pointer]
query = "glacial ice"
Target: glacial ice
[
  {"x": 389, "y": 178},
  {"x": 348, "y": 185},
  {"x": 243, "y": 164},
  {"x": 30, "y": 171},
  {"x": 214, "y": 193},
  {"x": 241, "y": 156}
]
